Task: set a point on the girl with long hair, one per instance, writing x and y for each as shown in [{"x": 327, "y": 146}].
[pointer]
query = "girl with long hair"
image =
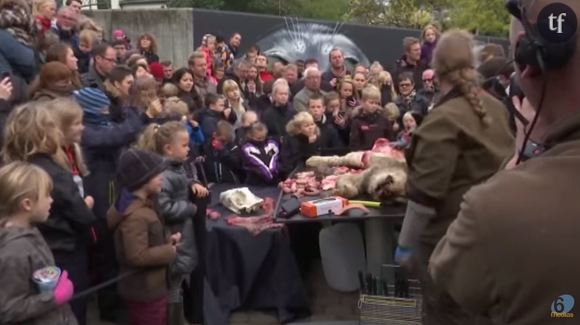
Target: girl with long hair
[
  {"x": 183, "y": 79},
  {"x": 235, "y": 101},
  {"x": 54, "y": 81},
  {"x": 63, "y": 53},
  {"x": 33, "y": 135},
  {"x": 147, "y": 45}
]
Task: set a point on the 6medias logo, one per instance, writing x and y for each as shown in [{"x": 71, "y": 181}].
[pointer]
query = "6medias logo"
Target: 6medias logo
[{"x": 561, "y": 307}]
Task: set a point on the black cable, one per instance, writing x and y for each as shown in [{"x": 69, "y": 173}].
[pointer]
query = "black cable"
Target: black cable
[
  {"x": 538, "y": 109},
  {"x": 104, "y": 285}
]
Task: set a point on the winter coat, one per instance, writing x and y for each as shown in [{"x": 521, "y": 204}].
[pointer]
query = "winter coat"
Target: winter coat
[
  {"x": 102, "y": 146},
  {"x": 143, "y": 246},
  {"x": 208, "y": 120},
  {"x": 276, "y": 118},
  {"x": 16, "y": 58},
  {"x": 517, "y": 234},
  {"x": 260, "y": 161},
  {"x": 296, "y": 149},
  {"x": 69, "y": 224},
  {"x": 366, "y": 128},
  {"x": 22, "y": 252},
  {"x": 223, "y": 165},
  {"x": 150, "y": 56},
  {"x": 178, "y": 211},
  {"x": 300, "y": 101}
]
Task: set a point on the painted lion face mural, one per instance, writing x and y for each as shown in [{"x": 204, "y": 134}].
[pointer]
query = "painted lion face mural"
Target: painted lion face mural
[{"x": 301, "y": 41}]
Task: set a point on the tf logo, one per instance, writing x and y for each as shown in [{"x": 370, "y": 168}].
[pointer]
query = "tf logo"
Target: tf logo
[
  {"x": 557, "y": 23},
  {"x": 562, "y": 306}
]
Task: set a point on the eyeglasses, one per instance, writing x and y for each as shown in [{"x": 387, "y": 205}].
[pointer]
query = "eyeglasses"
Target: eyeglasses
[
  {"x": 428, "y": 80},
  {"x": 405, "y": 85},
  {"x": 109, "y": 59}
]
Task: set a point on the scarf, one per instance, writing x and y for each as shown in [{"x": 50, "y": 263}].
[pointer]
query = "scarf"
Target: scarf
[
  {"x": 409, "y": 98},
  {"x": 18, "y": 22}
]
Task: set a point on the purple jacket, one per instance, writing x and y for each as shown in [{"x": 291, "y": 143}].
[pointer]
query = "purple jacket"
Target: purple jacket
[{"x": 427, "y": 52}]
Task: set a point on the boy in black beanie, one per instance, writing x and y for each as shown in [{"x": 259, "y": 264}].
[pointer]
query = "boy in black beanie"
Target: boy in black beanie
[{"x": 140, "y": 239}]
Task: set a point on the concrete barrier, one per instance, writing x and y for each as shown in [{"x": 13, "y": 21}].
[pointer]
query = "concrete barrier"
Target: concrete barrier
[{"x": 173, "y": 29}]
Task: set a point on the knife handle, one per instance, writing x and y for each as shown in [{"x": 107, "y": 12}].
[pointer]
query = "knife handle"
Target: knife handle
[
  {"x": 369, "y": 283},
  {"x": 385, "y": 288},
  {"x": 361, "y": 283}
]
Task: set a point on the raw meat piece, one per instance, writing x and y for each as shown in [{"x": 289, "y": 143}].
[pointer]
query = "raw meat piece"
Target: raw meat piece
[
  {"x": 211, "y": 214},
  {"x": 257, "y": 224}
]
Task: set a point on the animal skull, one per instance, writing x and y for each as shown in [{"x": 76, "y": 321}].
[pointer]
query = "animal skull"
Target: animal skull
[{"x": 240, "y": 200}]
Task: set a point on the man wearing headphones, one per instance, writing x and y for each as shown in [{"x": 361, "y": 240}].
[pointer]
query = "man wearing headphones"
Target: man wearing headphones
[{"x": 512, "y": 252}]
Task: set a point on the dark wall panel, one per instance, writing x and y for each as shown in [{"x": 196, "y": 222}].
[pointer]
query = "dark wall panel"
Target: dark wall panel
[{"x": 292, "y": 39}]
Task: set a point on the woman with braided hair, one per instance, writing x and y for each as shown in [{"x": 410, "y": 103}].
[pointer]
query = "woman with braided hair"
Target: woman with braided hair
[{"x": 461, "y": 143}]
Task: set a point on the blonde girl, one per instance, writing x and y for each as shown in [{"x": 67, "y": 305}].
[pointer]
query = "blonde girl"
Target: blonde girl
[
  {"x": 375, "y": 69},
  {"x": 44, "y": 12},
  {"x": 235, "y": 101},
  {"x": 359, "y": 81},
  {"x": 69, "y": 118},
  {"x": 33, "y": 135},
  {"x": 172, "y": 142},
  {"x": 393, "y": 114},
  {"x": 302, "y": 142},
  {"x": 348, "y": 96},
  {"x": 25, "y": 202},
  {"x": 384, "y": 82}
]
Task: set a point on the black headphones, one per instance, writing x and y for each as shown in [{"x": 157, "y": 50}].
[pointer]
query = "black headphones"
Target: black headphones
[{"x": 532, "y": 49}]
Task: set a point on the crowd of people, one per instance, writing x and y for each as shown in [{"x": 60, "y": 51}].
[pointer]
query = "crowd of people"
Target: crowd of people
[{"x": 101, "y": 127}]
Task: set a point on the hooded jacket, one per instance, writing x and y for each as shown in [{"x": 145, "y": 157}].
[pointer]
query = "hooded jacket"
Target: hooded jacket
[
  {"x": 22, "y": 252},
  {"x": 141, "y": 246},
  {"x": 178, "y": 211}
]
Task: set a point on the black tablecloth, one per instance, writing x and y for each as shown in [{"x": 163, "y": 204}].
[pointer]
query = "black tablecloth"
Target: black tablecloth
[
  {"x": 243, "y": 271},
  {"x": 394, "y": 211}
]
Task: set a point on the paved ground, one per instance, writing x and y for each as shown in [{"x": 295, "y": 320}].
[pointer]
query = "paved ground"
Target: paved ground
[{"x": 327, "y": 305}]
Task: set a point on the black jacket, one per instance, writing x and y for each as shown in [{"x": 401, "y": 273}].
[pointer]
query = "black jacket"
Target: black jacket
[
  {"x": 276, "y": 118},
  {"x": 223, "y": 165},
  {"x": 296, "y": 149},
  {"x": 208, "y": 120},
  {"x": 70, "y": 220},
  {"x": 402, "y": 65},
  {"x": 92, "y": 79},
  {"x": 417, "y": 104},
  {"x": 84, "y": 60},
  {"x": 150, "y": 56},
  {"x": 330, "y": 141}
]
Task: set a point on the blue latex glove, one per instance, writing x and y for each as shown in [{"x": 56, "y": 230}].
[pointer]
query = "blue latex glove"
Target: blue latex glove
[{"x": 403, "y": 254}]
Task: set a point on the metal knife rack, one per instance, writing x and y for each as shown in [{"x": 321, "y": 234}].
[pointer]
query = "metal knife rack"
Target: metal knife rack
[{"x": 391, "y": 310}]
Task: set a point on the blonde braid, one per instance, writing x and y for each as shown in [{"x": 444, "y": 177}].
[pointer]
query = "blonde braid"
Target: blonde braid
[{"x": 466, "y": 80}]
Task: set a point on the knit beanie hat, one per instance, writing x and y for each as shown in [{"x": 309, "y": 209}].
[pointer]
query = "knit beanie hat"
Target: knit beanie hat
[
  {"x": 92, "y": 100},
  {"x": 156, "y": 70},
  {"x": 137, "y": 167}
]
